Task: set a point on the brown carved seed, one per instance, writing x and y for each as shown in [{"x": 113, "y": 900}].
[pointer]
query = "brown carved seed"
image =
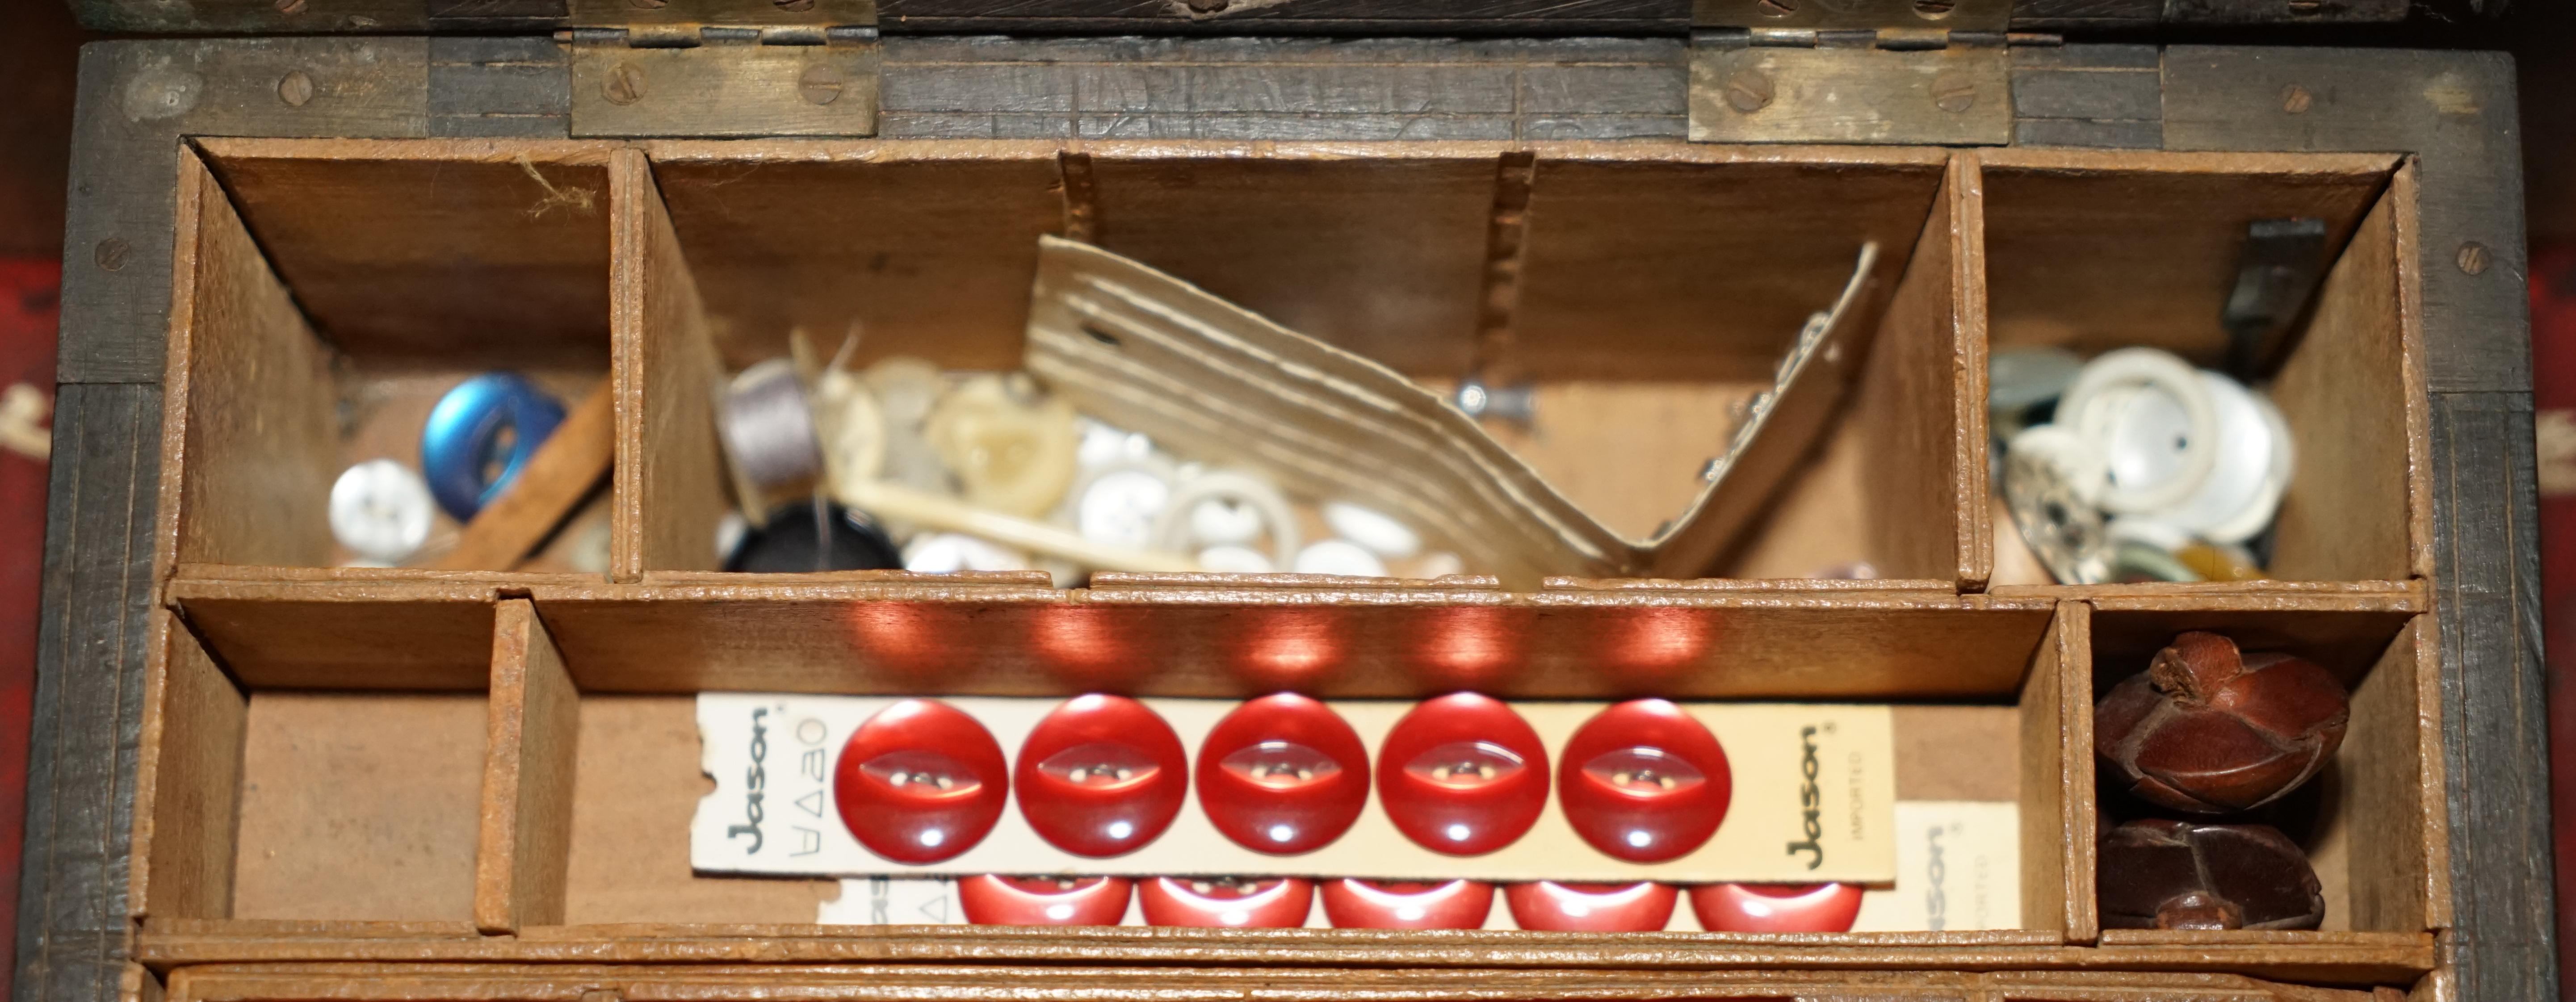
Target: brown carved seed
[
  {"x": 2161, "y": 874},
  {"x": 2208, "y": 730}
]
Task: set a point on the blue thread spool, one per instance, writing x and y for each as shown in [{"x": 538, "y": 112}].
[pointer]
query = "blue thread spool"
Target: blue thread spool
[{"x": 480, "y": 435}]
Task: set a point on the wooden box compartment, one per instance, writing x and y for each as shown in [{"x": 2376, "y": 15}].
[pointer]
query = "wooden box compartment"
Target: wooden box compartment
[
  {"x": 591, "y": 765},
  {"x": 330, "y": 292},
  {"x": 1641, "y": 278},
  {"x": 1647, "y": 291},
  {"x": 2095, "y": 251},
  {"x": 2372, "y": 822}
]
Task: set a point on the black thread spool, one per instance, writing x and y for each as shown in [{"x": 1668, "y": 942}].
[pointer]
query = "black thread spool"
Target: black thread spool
[{"x": 804, "y": 537}]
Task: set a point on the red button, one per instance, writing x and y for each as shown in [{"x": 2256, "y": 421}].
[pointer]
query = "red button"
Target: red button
[
  {"x": 920, "y": 782},
  {"x": 1548, "y": 906},
  {"x": 1404, "y": 904},
  {"x": 1101, "y": 776},
  {"x": 1283, "y": 775},
  {"x": 992, "y": 900},
  {"x": 1776, "y": 907},
  {"x": 1462, "y": 775},
  {"x": 1645, "y": 782},
  {"x": 1277, "y": 903}
]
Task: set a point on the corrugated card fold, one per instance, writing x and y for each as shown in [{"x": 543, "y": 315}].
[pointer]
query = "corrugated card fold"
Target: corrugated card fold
[{"x": 1143, "y": 350}]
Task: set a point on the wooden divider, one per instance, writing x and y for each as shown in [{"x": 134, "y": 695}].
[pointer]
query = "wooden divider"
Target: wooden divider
[
  {"x": 2057, "y": 781},
  {"x": 527, "y": 777},
  {"x": 187, "y": 787},
  {"x": 1920, "y": 409},
  {"x": 670, "y": 489}
]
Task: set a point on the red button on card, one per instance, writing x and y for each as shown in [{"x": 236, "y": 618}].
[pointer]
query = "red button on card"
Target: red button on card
[
  {"x": 1462, "y": 775},
  {"x": 1101, "y": 776},
  {"x": 1277, "y": 903},
  {"x": 1776, "y": 907},
  {"x": 1398, "y": 904},
  {"x": 1644, "y": 781},
  {"x": 1548, "y": 906},
  {"x": 991, "y": 900},
  {"x": 920, "y": 782},
  {"x": 1283, "y": 775}
]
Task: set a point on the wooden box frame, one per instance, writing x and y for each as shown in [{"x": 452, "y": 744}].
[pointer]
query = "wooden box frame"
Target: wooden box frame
[{"x": 2428, "y": 535}]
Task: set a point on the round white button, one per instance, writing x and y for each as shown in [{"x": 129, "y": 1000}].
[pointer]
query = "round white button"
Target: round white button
[
  {"x": 950, "y": 552},
  {"x": 1120, "y": 504},
  {"x": 2150, "y": 417},
  {"x": 1378, "y": 531},
  {"x": 381, "y": 511},
  {"x": 1341, "y": 557},
  {"x": 1236, "y": 497},
  {"x": 1235, "y": 560},
  {"x": 1225, "y": 521}
]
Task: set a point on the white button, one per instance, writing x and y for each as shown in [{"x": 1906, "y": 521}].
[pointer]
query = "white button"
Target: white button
[
  {"x": 1011, "y": 445},
  {"x": 1103, "y": 445},
  {"x": 381, "y": 511},
  {"x": 949, "y": 552},
  {"x": 1440, "y": 564},
  {"x": 2243, "y": 490},
  {"x": 1240, "y": 494},
  {"x": 1378, "y": 531},
  {"x": 2191, "y": 448},
  {"x": 1235, "y": 560},
  {"x": 1121, "y": 503},
  {"x": 2150, "y": 417},
  {"x": 1225, "y": 522},
  {"x": 1342, "y": 557}
]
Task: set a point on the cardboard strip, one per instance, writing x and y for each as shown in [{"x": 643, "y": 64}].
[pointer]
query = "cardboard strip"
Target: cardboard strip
[
  {"x": 1144, "y": 350},
  {"x": 792, "y": 743},
  {"x": 1957, "y": 871}
]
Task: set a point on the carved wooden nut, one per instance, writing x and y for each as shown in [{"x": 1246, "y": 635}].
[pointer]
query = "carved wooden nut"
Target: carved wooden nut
[
  {"x": 2161, "y": 874},
  {"x": 2206, "y": 730}
]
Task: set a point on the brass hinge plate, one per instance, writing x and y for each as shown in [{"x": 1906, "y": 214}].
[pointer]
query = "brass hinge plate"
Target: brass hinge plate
[
  {"x": 689, "y": 80},
  {"x": 1958, "y": 95},
  {"x": 1836, "y": 15}
]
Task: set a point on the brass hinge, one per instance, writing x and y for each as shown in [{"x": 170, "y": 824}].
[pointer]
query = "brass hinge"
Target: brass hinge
[
  {"x": 689, "y": 79},
  {"x": 1915, "y": 72},
  {"x": 1863, "y": 15}
]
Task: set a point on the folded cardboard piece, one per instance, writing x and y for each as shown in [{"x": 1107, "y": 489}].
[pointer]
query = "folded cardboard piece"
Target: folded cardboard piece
[
  {"x": 1143, "y": 350},
  {"x": 1814, "y": 789}
]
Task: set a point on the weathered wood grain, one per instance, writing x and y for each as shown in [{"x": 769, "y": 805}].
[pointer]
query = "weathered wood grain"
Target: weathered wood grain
[
  {"x": 2454, "y": 110},
  {"x": 73, "y": 935}
]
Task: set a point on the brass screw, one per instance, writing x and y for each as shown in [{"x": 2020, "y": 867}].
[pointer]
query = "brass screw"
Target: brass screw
[
  {"x": 1748, "y": 91},
  {"x": 111, "y": 252},
  {"x": 1776, "y": 8},
  {"x": 648, "y": 4},
  {"x": 625, "y": 84},
  {"x": 1208, "y": 6},
  {"x": 819, "y": 85},
  {"x": 290, "y": 6},
  {"x": 794, "y": 6},
  {"x": 295, "y": 88},
  {"x": 2296, "y": 99},
  {"x": 2474, "y": 257},
  {"x": 1953, "y": 94},
  {"x": 1934, "y": 10}
]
